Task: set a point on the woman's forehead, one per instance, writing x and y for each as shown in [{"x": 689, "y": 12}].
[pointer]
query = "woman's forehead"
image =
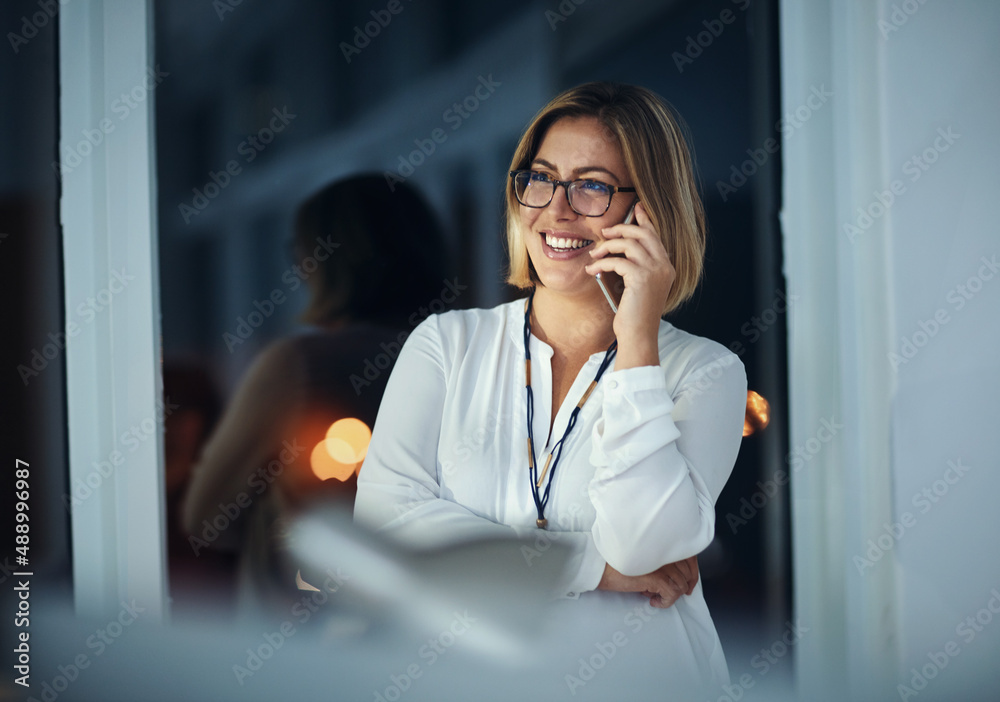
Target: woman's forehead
[{"x": 574, "y": 145}]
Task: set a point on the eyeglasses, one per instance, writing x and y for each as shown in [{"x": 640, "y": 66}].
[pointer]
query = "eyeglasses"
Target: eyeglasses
[{"x": 590, "y": 198}]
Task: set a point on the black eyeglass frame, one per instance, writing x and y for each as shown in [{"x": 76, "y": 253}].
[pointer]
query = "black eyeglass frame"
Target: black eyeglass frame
[{"x": 566, "y": 184}]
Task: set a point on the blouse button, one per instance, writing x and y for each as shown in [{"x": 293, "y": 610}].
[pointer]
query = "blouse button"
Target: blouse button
[{"x": 612, "y": 384}]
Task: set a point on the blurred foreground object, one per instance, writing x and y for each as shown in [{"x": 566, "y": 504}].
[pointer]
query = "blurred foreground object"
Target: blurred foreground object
[{"x": 491, "y": 582}]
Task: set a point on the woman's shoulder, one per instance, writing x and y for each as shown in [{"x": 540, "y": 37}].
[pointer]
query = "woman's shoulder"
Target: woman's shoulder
[
  {"x": 685, "y": 355},
  {"x": 479, "y": 315},
  {"x": 467, "y": 323},
  {"x": 477, "y": 333}
]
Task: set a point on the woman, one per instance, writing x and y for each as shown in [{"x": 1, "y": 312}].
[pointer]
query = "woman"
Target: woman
[
  {"x": 257, "y": 462},
  {"x": 634, "y": 474}
]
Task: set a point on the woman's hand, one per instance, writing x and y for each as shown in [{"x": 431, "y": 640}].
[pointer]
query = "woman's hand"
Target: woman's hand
[
  {"x": 645, "y": 268},
  {"x": 663, "y": 586}
]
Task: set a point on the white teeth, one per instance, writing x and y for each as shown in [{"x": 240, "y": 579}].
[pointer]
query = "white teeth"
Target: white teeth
[{"x": 565, "y": 244}]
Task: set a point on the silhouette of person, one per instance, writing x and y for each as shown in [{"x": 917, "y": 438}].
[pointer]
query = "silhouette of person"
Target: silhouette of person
[{"x": 374, "y": 262}]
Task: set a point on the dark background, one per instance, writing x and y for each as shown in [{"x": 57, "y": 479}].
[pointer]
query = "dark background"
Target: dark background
[{"x": 229, "y": 70}]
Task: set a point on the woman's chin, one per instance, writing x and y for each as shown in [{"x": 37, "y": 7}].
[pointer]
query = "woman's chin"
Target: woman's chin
[{"x": 582, "y": 285}]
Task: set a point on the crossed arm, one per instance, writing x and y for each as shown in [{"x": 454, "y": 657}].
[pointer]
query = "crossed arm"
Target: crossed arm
[{"x": 660, "y": 464}]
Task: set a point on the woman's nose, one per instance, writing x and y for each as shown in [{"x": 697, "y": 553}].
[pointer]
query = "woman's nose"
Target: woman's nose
[{"x": 560, "y": 203}]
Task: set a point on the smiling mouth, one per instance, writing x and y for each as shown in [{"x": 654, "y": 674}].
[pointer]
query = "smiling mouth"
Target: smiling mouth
[{"x": 565, "y": 244}]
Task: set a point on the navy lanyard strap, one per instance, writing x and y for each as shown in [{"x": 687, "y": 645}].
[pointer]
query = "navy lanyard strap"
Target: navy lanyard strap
[{"x": 542, "y": 498}]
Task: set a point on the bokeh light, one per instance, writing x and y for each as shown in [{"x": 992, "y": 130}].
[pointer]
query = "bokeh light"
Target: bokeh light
[
  {"x": 758, "y": 414},
  {"x": 343, "y": 450},
  {"x": 347, "y": 440}
]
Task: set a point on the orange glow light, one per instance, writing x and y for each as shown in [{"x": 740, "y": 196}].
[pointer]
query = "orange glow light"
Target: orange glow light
[
  {"x": 342, "y": 451},
  {"x": 351, "y": 437},
  {"x": 758, "y": 414}
]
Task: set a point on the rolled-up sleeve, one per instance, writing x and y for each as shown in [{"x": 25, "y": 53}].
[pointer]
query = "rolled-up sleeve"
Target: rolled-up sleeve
[{"x": 661, "y": 461}]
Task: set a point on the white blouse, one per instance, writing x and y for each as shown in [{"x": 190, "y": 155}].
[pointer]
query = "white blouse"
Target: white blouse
[{"x": 639, "y": 475}]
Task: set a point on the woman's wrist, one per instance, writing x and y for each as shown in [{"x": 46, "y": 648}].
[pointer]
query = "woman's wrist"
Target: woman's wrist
[
  {"x": 636, "y": 352},
  {"x": 606, "y": 578},
  {"x": 614, "y": 581}
]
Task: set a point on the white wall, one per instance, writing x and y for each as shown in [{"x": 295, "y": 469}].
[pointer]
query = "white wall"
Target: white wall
[
  {"x": 886, "y": 579},
  {"x": 113, "y": 379},
  {"x": 940, "y": 75}
]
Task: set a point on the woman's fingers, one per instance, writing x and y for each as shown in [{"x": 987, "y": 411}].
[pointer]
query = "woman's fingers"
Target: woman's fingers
[
  {"x": 631, "y": 249},
  {"x": 631, "y": 242},
  {"x": 680, "y": 577},
  {"x": 663, "y": 586},
  {"x": 689, "y": 569},
  {"x": 667, "y": 594},
  {"x": 677, "y": 579},
  {"x": 641, "y": 232},
  {"x": 636, "y": 253},
  {"x": 640, "y": 216},
  {"x": 693, "y": 580},
  {"x": 613, "y": 264}
]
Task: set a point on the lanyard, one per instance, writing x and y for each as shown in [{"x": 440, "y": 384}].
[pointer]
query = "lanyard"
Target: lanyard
[{"x": 542, "y": 498}]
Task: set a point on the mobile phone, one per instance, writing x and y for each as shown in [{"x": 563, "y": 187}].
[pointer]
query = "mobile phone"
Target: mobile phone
[
  {"x": 631, "y": 211},
  {"x": 604, "y": 289}
]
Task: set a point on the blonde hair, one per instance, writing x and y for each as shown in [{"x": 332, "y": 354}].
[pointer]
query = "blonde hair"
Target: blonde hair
[{"x": 651, "y": 137}]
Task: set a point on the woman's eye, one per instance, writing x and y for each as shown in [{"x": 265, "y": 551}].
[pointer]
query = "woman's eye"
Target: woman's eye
[
  {"x": 539, "y": 178},
  {"x": 593, "y": 186}
]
